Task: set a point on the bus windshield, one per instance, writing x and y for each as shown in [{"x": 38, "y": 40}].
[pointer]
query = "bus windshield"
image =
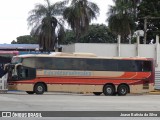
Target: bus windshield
[{"x": 16, "y": 60}]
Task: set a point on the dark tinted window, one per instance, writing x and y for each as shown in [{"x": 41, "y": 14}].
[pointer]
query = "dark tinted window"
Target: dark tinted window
[
  {"x": 129, "y": 65},
  {"x": 147, "y": 66},
  {"x": 87, "y": 64}
]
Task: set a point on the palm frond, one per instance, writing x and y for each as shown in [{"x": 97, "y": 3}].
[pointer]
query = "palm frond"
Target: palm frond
[
  {"x": 79, "y": 14},
  {"x": 120, "y": 18},
  {"x": 43, "y": 21}
]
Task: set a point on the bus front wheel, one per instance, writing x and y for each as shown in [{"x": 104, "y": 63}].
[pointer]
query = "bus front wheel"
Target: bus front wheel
[
  {"x": 39, "y": 88},
  {"x": 108, "y": 90},
  {"x": 122, "y": 90}
]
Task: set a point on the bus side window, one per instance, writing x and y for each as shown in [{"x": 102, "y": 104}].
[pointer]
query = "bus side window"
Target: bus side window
[
  {"x": 24, "y": 73},
  {"x": 146, "y": 66},
  {"x": 139, "y": 66}
]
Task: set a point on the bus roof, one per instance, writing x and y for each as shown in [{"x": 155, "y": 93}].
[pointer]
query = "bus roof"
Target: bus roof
[
  {"x": 73, "y": 54},
  {"x": 79, "y": 55}
]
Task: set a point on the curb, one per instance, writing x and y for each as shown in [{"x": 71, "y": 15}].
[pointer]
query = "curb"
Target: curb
[{"x": 155, "y": 92}]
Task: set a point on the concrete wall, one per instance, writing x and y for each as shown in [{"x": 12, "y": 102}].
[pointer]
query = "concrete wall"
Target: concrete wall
[
  {"x": 111, "y": 50},
  {"x": 98, "y": 49},
  {"x": 68, "y": 48}
]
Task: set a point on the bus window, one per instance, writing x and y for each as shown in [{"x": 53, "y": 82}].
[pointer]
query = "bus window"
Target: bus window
[
  {"x": 29, "y": 62},
  {"x": 16, "y": 60},
  {"x": 109, "y": 65},
  {"x": 147, "y": 66},
  {"x": 25, "y": 73},
  {"x": 125, "y": 65},
  {"x": 139, "y": 65}
]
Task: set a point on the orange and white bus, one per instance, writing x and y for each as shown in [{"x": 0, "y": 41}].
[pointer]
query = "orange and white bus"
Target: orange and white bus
[{"x": 81, "y": 73}]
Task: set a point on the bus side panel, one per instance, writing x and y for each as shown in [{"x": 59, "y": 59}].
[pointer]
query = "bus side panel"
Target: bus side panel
[
  {"x": 21, "y": 86},
  {"x": 75, "y": 88},
  {"x": 85, "y": 83},
  {"x": 139, "y": 88}
]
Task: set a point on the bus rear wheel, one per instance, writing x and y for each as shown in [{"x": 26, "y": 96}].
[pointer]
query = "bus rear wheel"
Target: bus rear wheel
[
  {"x": 39, "y": 88},
  {"x": 97, "y": 93},
  {"x": 122, "y": 90},
  {"x": 108, "y": 90},
  {"x": 30, "y": 92}
]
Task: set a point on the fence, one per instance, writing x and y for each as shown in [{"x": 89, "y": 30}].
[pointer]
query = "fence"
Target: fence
[{"x": 3, "y": 83}]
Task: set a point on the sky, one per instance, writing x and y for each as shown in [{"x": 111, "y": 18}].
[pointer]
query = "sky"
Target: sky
[{"x": 14, "y": 13}]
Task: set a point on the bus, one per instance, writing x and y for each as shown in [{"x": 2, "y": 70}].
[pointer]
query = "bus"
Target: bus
[
  {"x": 6, "y": 57},
  {"x": 81, "y": 72}
]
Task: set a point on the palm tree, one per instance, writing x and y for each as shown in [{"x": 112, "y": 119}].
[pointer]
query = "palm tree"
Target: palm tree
[
  {"x": 122, "y": 18},
  {"x": 79, "y": 14},
  {"x": 44, "y": 23}
]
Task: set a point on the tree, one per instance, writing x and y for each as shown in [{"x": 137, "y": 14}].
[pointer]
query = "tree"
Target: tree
[
  {"x": 44, "y": 23},
  {"x": 121, "y": 18},
  {"x": 13, "y": 42},
  {"x": 149, "y": 10},
  {"x": 69, "y": 37},
  {"x": 79, "y": 14},
  {"x": 26, "y": 39},
  {"x": 95, "y": 34},
  {"x": 98, "y": 34}
]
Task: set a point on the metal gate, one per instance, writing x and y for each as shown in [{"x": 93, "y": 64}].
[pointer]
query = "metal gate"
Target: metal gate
[{"x": 157, "y": 80}]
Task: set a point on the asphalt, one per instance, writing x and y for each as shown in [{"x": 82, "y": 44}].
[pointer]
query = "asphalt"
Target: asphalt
[{"x": 54, "y": 101}]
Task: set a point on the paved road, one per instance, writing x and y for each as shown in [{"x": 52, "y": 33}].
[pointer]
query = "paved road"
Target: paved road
[{"x": 20, "y": 101}]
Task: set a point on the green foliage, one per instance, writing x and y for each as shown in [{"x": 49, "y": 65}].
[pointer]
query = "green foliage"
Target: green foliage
[
  {"x": 26, "y": 39},
  {"x": 69, "y": 37},
  {"x": 79, "y": 14},
  {"x": 151, "y": 10},
  {"x": 98, "y": 34},
  {"x": 122, "y": 18},
  {"x": 95, "y": 34},
  {"x": 13, "y": 42},
  {"x": 44, "y": 23}
]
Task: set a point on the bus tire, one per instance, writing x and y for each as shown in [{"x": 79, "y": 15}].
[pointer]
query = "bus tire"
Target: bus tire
[
  {"x": 30, "y": 92},
  {"x": 122, "y": 90},
  {"x": 97, "y": 93},
  {"x": 108, "y": 90},
  {"x": 39, "y": 88}
]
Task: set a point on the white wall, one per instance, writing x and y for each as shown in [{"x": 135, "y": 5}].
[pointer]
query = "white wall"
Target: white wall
[
  {"x": 128, "y": 50},
  {"x": 98, "y": 49},
  {"x": 68, "y": 48},
  {"x": 147, "y": 50}
]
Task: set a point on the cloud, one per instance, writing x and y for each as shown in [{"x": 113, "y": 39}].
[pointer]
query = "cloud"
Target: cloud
[{"x": 14, "y": 13}]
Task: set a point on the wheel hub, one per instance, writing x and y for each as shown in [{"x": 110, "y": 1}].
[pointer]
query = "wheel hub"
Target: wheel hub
[
  {"x": 40, "y": 88},
  {"x": 109, "y": 90}
]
